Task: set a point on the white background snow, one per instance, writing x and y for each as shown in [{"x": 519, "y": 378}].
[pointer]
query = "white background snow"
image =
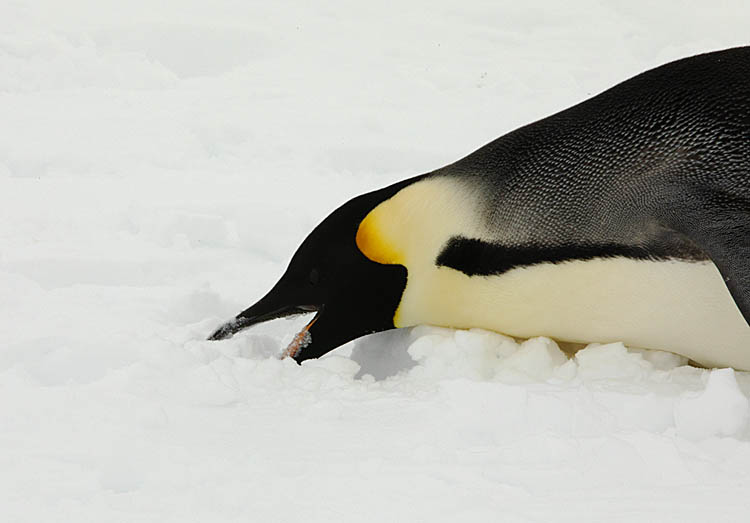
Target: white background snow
[{"x": 159, "y": 164}]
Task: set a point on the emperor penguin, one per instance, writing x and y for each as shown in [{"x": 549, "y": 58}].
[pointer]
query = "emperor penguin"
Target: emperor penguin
[{"x": 623, "y": 218}]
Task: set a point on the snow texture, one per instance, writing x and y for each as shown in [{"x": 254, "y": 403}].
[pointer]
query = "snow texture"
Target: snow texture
[{"x": 159, "y": 164}]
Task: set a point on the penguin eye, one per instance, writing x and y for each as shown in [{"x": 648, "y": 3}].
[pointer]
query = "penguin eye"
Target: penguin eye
[{"x": 314, "y": 276}]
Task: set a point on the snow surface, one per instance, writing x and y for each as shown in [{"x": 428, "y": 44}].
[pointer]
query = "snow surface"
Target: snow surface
[{"x": 160, "y": 163}]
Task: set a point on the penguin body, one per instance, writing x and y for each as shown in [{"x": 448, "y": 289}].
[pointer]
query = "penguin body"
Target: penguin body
[
  {"x": 678, "y": 303},
  {"x": 623, "y": 218}
]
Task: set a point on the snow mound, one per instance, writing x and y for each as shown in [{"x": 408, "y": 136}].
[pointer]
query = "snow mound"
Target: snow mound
[
  {"x": 721, "y": 409},
  {"x": 482, "y": 355}
]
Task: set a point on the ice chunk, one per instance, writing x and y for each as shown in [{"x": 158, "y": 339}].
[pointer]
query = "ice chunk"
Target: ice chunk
[
  {"x": 537, "y": 358},
  {"x": 721, "y": 409}
]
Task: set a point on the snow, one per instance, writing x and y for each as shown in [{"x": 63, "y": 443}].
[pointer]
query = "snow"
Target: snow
[
  {"x": 721, "y": 409},
  {"x": 159, "y": 164}
]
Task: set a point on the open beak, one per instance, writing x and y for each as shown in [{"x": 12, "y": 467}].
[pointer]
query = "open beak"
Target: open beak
[
  {"x": 259, "y": 313},
  {"x": 248, "y": 319}
]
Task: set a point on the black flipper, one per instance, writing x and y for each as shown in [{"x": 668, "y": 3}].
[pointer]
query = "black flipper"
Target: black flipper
[{"x": 721, "y": 227}]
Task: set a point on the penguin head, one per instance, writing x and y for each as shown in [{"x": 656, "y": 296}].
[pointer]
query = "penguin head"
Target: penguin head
[{"x": 351, "y": 294}]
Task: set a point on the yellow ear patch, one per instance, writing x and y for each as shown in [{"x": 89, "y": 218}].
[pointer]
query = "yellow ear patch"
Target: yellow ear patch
[
  {"x": 371, "y": 240},
  {"x": 410, "y": 226},
  {"x": 409, "y": 229}
]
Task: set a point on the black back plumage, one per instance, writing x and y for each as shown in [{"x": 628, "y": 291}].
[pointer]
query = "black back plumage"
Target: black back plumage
[{"x": 655, "y": 167}]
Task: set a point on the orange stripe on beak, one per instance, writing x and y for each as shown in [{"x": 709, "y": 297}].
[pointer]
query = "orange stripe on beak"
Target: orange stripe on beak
[{"x": 301, "y": 339}]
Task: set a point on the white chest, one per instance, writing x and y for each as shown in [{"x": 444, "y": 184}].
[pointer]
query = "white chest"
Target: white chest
[{"x": 669, "y": 305}]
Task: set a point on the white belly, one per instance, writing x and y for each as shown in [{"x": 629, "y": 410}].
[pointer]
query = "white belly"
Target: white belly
[{"x": 680, "y": 307}]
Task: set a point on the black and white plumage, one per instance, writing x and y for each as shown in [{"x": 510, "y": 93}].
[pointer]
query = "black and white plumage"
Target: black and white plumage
[{"x": 623, "y": 218}]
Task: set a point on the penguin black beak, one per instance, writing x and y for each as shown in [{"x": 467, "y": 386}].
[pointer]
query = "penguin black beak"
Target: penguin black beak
[{"x": 259, "y": 313}]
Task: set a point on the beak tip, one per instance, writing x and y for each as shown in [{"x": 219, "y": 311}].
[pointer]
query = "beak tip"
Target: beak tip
[
  {"x": 225, "y": 331},
  {"x": 215, "y": 336}
]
